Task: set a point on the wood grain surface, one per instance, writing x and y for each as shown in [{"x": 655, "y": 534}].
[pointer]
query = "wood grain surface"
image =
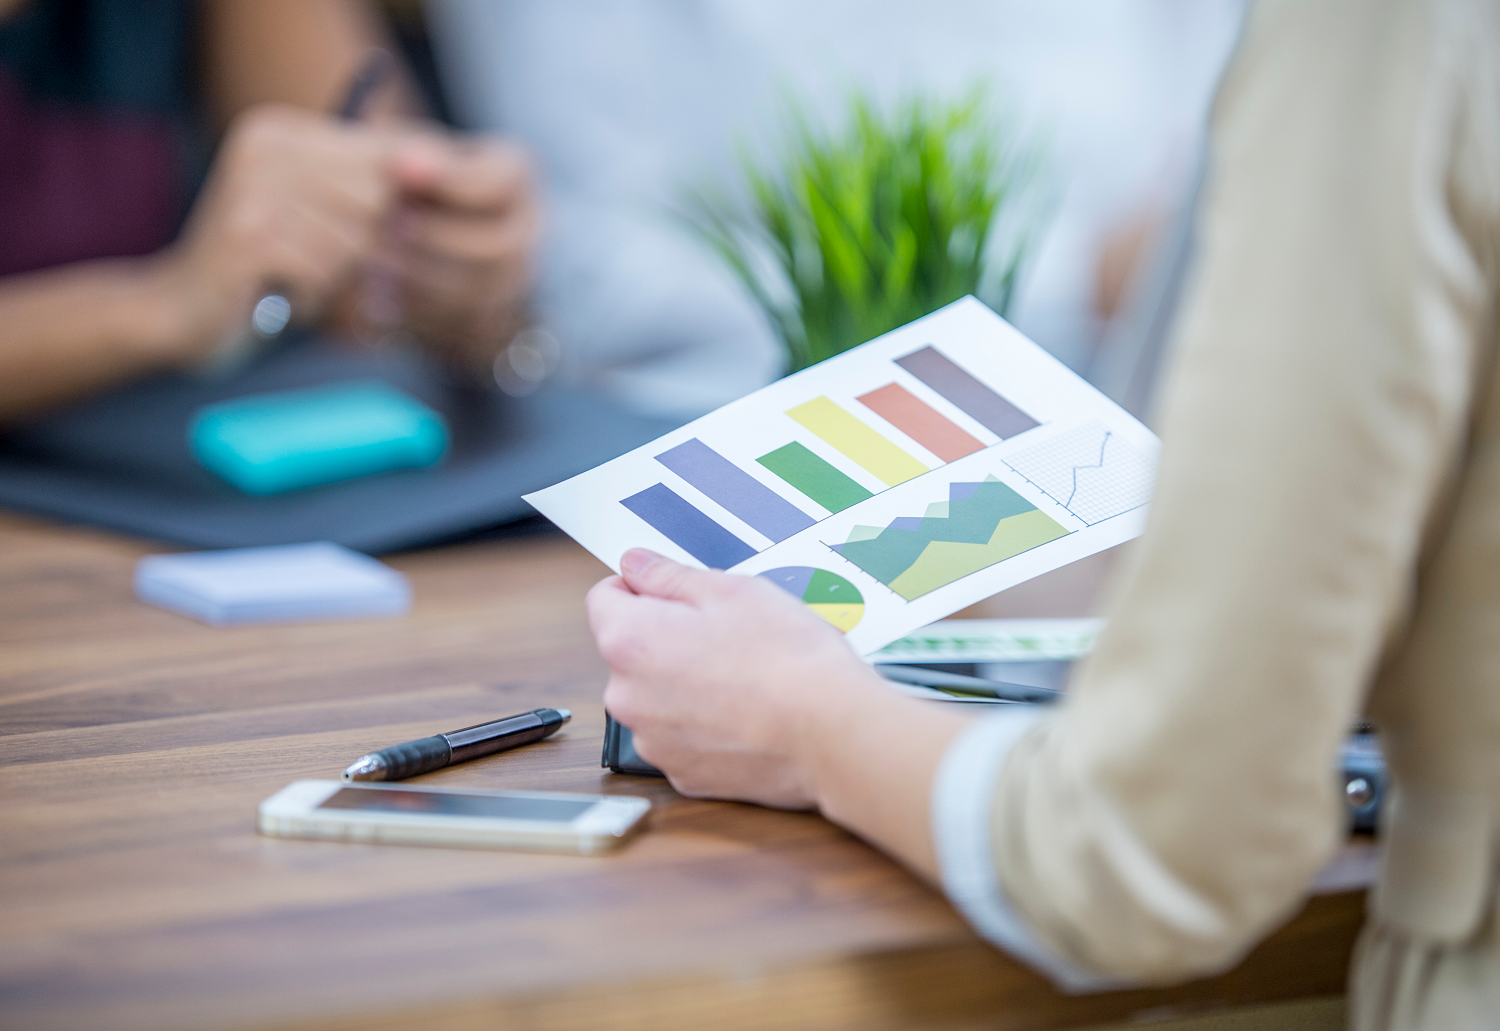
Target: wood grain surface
[{"x": 135, "y": 893}]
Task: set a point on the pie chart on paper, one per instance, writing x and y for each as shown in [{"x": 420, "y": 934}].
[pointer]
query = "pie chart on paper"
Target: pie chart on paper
[{"x": 828, "y": 594}]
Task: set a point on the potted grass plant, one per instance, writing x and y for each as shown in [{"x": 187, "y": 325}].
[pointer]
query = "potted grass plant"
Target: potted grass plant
[{"x": 859, "y": 231}]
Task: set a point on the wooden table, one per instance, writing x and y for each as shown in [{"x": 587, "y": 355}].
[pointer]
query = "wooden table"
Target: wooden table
[{"x": 135, "y": 893}]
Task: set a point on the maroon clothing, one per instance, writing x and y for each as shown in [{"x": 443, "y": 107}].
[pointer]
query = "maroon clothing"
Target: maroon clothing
[{"x": 79, "y": 183}]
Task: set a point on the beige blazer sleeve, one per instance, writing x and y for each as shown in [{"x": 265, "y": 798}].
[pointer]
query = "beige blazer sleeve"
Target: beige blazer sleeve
[{"x": 1181, "y": 802}]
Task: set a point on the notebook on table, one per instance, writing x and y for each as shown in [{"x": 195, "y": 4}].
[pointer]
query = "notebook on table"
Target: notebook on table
[{"x": 122, "y": 460}]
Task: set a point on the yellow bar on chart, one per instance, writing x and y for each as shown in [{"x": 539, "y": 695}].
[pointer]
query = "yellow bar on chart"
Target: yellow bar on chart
[{"x": 887, "y": 462}]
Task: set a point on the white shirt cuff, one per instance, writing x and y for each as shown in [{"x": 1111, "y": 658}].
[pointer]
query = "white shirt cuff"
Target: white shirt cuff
[{"x": 962, "y": 810}]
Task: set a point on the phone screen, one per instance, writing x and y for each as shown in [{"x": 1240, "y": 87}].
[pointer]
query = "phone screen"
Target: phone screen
[{"x": 437, "y": 803}]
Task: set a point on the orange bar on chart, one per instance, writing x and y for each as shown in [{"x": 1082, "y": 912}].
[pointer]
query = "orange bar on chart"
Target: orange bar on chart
[{"x": 920, "y": 421}]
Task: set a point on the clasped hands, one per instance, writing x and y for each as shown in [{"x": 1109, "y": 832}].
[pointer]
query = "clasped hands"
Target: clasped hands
[{"x": 324, "y": 208}]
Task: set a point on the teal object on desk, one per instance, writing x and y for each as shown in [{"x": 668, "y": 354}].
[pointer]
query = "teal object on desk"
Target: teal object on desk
[{"x": 293, "y": 439}]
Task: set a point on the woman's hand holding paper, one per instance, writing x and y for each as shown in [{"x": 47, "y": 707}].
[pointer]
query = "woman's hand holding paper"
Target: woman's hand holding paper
[
  {"x": 734, "y": 689},
  {"x": 708, "y": 702}
]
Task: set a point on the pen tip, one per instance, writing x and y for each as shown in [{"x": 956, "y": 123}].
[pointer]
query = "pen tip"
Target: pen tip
[
  {"x": 566, "y": 714},
  {"x": 368, "y": 767}
]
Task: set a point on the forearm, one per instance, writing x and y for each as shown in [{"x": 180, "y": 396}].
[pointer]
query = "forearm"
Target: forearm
[
  {"x": 871, "y": 755},
  {"x": 298, "y": 52},
  {"x": 72, "y": 331}
]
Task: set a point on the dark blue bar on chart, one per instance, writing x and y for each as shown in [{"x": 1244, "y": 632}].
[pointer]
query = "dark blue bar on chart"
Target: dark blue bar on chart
[
  {"x": 738, "y": 491},
  {"x": 688, "y": 528}
]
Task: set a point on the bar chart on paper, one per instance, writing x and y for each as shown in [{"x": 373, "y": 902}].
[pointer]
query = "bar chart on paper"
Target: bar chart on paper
[
  {"x": 885, "y": 487},
  {"x": 773, "y": 516}
]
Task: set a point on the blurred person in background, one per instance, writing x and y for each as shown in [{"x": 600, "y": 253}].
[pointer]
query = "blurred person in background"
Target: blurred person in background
[
  {"x": 125, "y": 250},
  {"x": 1324, "y": 542},
  {"x": 628, "y": 104}
]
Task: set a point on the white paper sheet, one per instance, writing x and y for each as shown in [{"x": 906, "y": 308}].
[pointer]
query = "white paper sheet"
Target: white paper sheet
[{"x": 1054, "y": 472}]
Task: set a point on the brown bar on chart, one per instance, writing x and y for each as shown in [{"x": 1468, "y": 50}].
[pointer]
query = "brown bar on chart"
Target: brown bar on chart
[{"x": 920, "y": 421}]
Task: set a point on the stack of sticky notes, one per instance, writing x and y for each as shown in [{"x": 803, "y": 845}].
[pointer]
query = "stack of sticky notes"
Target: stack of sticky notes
[
  {"x": 295, "y": 439},
  {"x": 286, "y": 584}
]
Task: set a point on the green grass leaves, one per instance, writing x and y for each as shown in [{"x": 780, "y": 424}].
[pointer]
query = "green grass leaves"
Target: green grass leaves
[{"x": 863, "y": 231}]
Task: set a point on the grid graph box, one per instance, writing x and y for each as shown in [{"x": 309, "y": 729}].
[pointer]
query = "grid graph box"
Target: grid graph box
[
  {"x": 883, "y": 459},
  {"x": 1090, "y": 471},
  {"x": 808, "y": 473},
  {"x": 976, "y": 400},
  {"x": 683, "y": 524},
  {"x": 739, "y": 492},
  {"x": 920, "y": 421}
]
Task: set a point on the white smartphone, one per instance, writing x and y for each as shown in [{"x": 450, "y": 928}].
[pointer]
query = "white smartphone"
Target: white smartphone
[{"x": 534, "y": 820}]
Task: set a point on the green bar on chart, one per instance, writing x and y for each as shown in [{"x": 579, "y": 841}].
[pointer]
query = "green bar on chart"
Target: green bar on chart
[
  {"x": 885, "y": 461},
  {"x": 814, "y": 477}
]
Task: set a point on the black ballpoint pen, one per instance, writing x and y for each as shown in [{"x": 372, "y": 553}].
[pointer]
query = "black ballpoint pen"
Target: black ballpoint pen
[{"x": 433, "y": 753}]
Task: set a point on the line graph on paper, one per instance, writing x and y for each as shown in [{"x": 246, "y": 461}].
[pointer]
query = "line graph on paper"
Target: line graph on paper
[{"x": 1090, "y": 471}]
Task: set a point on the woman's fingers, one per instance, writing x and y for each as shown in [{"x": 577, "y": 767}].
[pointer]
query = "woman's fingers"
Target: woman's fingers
[
  {"x": 690, "y": 674},
  {"x": 657, "y": 576},
  {"x": 295, "y": 198},
  {"x": 466, "y": 237},
  {"x": 477, "y": 176},
  {"x": 628, "y": 627},
  {"x": 303, "y": 200},
  {"x": 605, "y": 599},
  {"x": 467, "y": 229}
]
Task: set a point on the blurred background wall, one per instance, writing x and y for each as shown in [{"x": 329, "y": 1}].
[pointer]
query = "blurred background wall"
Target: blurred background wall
[{"x": 627, "y": 101}]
